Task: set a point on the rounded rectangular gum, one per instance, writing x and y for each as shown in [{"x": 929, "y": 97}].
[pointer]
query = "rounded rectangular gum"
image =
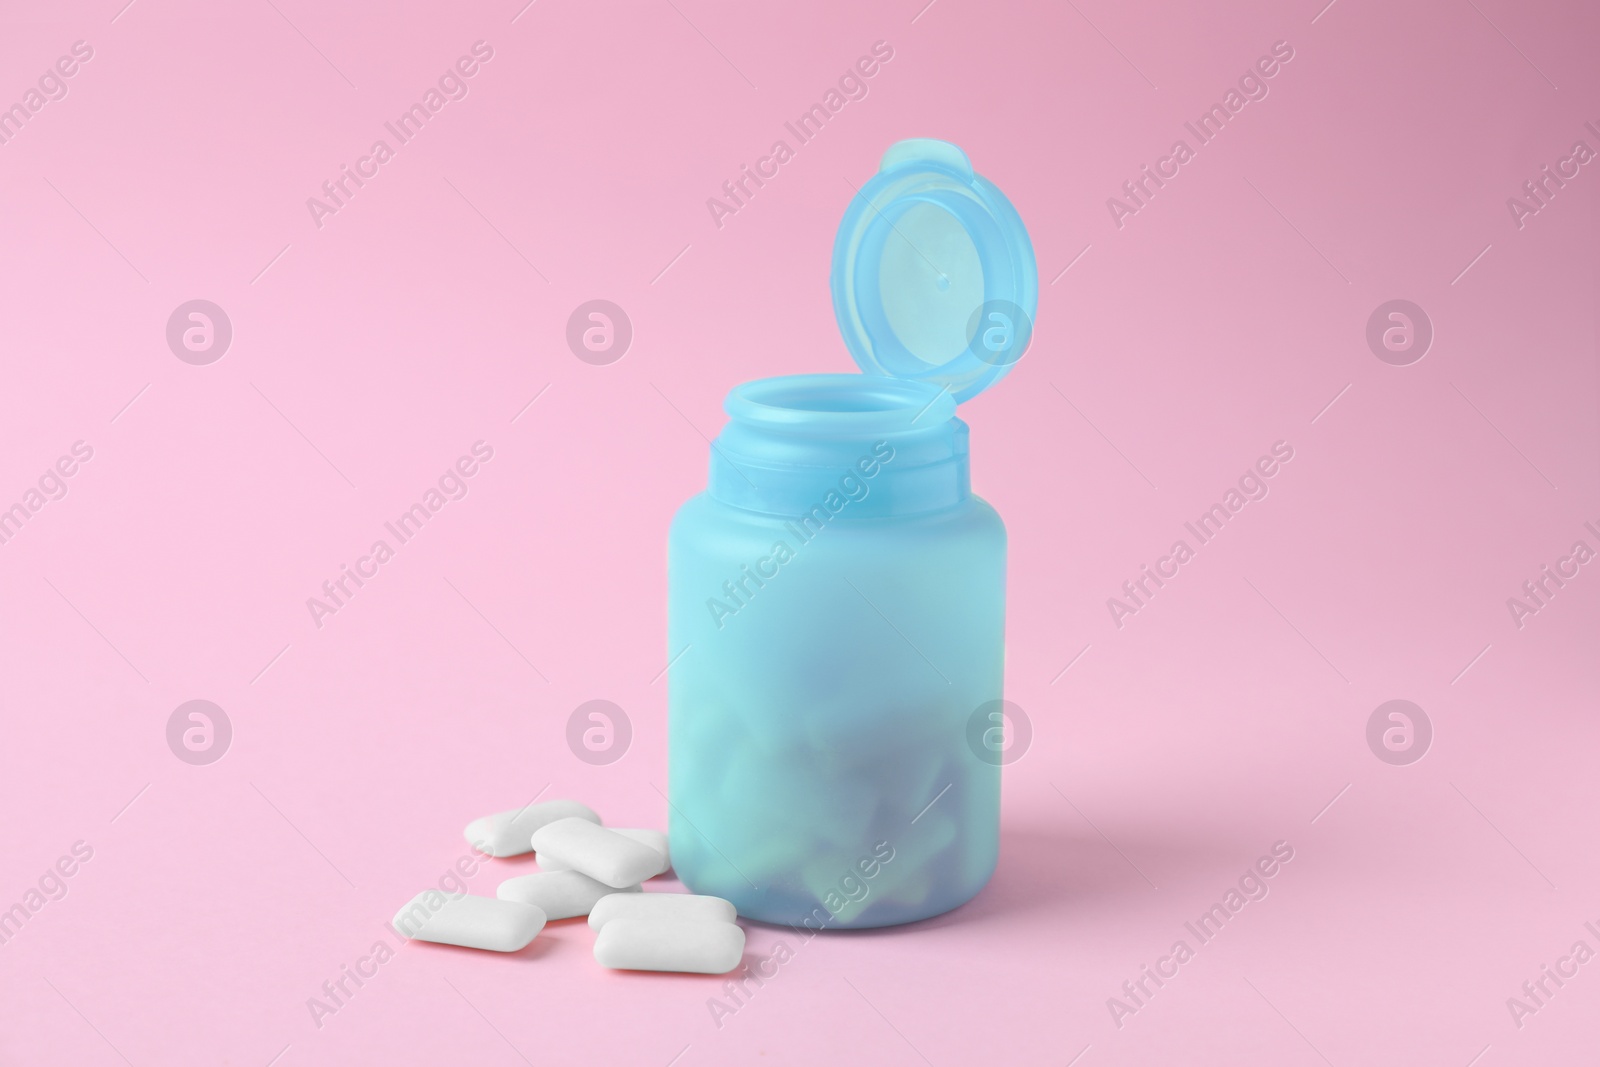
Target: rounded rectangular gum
[
  {"x": 604, "y": 855},
  {"x": 661, "y": 907},
  {"x": 696, "y": 946},
  {"x": 559, "y": 894},
  {"x": 507, "y": 833},
  {"x": 470, "y": 922}
]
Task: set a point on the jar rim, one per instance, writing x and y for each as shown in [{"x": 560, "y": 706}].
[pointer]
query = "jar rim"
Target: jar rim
[{"x": 851, "y": 403}]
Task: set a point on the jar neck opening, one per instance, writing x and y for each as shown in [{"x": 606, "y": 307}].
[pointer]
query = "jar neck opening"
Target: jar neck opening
[
  {"x": 828, "y": 404},
  {"x": 869, "y": 445}
]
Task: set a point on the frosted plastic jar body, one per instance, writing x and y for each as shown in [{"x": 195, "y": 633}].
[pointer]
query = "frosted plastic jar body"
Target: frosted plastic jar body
[{"x": 838, "y": 597}]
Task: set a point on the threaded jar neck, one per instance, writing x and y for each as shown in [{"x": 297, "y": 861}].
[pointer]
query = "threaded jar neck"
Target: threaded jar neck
[{"x": 861, "y": 446}]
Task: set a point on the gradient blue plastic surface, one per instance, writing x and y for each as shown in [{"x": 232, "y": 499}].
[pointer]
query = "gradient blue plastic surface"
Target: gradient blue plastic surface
[
  {"x": 841, "y": 594},
  {"x": 836, "y": 608}
]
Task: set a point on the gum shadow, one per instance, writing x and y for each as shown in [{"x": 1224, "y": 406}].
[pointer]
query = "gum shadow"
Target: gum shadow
[
  {"x": 746, "y": 961},
  {"x": 533, "y": 950}
]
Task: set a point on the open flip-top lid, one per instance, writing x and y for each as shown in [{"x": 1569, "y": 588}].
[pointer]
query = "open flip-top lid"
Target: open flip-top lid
[{"x": 933, "y": 274}]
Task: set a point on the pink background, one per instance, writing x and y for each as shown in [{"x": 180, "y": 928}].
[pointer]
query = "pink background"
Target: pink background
[{"x": 370, "y": 353}]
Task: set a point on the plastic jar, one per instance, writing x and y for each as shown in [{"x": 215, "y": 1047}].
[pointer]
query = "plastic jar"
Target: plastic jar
[{"x": 837, "y": 594}]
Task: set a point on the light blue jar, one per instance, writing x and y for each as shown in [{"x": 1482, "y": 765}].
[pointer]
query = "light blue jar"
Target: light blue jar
[{"x": 837, "y": 594}]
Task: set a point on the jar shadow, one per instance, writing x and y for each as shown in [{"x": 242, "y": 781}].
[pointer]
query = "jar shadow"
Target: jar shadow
[{"x": 1054, "y": 867}]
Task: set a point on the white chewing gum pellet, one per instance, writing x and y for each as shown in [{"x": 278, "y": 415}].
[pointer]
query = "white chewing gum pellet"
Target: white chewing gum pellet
[
  {"x": 507, "y": 833},
  {"x": 693, "y": 945},
  {"x": 559, "y": 894},
  {"x": 471, "y": 922},
  {"x": 602, "y": 854},
  {"x": 661, "y": 907},
  {"x": 654, "y": 838}
]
